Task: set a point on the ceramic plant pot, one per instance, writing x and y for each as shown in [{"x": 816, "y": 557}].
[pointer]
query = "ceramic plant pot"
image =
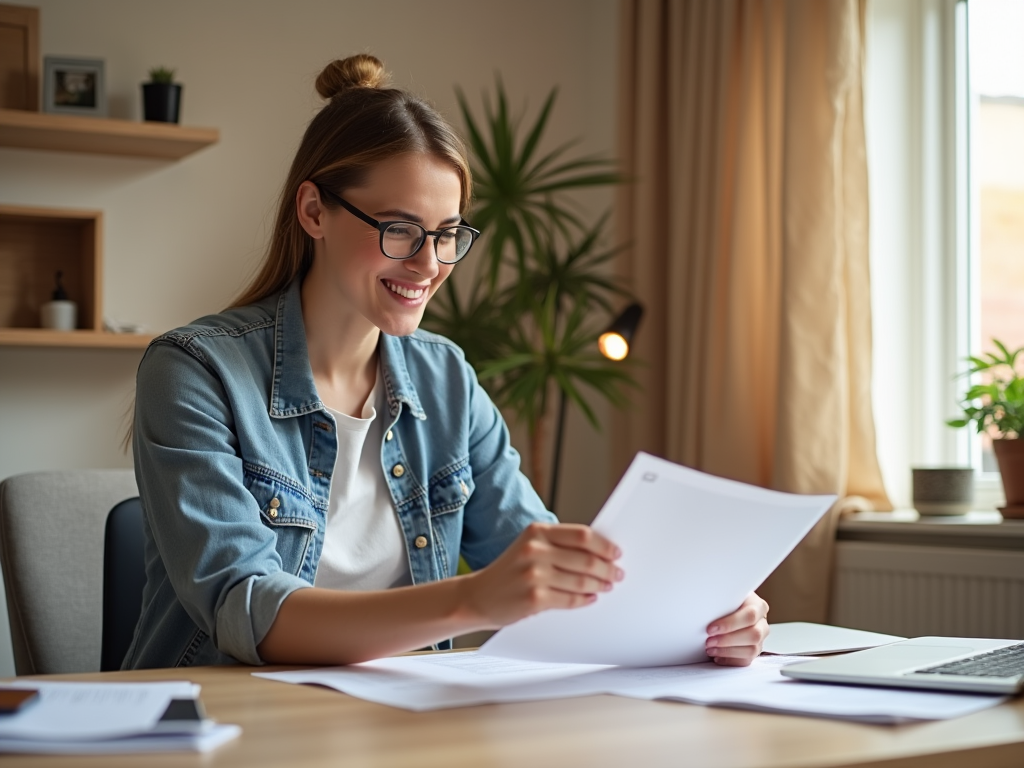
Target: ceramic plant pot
[
  {"x": 161, "y": 102},
  {"x": 943, "y": 490},
  {"x": 1010, "y": 455}
]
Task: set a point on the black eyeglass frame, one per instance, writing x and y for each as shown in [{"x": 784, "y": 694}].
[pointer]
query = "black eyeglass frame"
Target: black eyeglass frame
[{"x": 382, "y": 226}]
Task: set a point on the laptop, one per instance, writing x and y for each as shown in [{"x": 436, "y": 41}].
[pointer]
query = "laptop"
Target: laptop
[{"x": 963, "y": 664}]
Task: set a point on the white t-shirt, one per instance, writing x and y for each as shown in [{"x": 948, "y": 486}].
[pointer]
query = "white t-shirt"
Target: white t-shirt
[{"x": 364, "y": 547}]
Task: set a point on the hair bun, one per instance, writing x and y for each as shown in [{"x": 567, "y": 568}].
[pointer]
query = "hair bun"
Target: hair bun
[{"x": 359, "y": 71}]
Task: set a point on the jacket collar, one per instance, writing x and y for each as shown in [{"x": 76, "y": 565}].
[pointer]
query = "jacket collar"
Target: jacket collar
[{"x": 294, "y": 391}]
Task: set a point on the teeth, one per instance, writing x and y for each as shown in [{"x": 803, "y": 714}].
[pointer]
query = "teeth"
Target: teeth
[{"x": 406, "y": 292}]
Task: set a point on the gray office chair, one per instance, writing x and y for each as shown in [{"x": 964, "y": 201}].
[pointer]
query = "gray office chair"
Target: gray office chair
[{"x": 51, "y": 549}]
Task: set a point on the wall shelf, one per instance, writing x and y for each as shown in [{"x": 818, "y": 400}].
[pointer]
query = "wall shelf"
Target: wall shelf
[
  {"x": 35, "y": 244},
  {"x": 101, "y": 136},
  {"x": 41, "y": 337}
]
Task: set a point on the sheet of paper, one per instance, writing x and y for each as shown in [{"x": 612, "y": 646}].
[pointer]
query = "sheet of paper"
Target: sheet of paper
[
  {"x": 765, "y": 690},
  {"x": 91, "y": 711},
  {"x": 693, "y": 547},
  {"x": 801, "y": 638},
  {"x": 205, "y": 741},
  {"x": 441, "y": 681}
]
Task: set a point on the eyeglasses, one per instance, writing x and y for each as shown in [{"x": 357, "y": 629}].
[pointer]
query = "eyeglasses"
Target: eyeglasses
[{"x": 403, "y": 239}]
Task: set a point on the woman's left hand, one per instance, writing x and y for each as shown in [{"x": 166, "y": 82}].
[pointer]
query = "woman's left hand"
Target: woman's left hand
[{"x": 735, "y": 640}]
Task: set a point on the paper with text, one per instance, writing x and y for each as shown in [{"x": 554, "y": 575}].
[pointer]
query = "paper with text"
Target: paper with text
[
  {"x": 441, "y": 681},
  {"x": 694, "y": 546},
  {"x": 77, "y": 711}
]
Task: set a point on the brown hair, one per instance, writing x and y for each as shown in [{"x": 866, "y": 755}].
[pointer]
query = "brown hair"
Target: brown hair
[{"x": 363, "y": 123}]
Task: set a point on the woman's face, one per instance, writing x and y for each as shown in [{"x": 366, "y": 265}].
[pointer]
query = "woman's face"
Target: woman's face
[{"x": 348, "y": 262}]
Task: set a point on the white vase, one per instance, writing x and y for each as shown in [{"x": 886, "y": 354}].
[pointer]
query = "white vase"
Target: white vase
[{"x": 59, "y": 315}]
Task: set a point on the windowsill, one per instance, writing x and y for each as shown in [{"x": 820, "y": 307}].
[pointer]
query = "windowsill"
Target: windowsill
[{"x": 980, "y": 529}]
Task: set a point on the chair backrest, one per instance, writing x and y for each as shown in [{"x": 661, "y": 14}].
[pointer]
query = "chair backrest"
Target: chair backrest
[
  {"x": 51, "y": 550},
  {"x": 124, "y": 575}
]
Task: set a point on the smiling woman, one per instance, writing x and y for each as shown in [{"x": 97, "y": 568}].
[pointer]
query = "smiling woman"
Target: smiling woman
[{"x": 312, "y": 466}]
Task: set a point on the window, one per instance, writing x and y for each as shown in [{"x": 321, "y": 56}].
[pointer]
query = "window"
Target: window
[
  {"x": 944, "y": 116},
  {"x": 995, "y": 104}
]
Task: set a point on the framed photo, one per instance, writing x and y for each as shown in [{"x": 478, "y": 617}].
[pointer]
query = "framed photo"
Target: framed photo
[{"x": 74, "y": 86}]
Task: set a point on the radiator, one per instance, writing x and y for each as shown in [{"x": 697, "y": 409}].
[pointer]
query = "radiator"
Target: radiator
[{"x": 918, "y": 590}]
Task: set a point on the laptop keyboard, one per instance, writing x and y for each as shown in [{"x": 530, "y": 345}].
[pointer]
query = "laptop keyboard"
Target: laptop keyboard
[{"x": 1003, "y": 662}]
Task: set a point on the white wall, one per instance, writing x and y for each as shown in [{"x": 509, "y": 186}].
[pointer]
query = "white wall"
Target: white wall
[{"x": 182, "y": 237}]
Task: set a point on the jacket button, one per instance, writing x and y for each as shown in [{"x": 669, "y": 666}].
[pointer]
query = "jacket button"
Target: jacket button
[
  {"x": 389, "y": 436},
  {"x": 421, "y": 542},
  {"x": 275, "y": 503},
  {"x": 272, "y": 513},
  {"x": 398, "y": 470}
]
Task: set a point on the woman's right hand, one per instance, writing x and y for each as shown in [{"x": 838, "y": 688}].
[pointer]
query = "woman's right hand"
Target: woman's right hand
[{"x": 547, "y": 566}]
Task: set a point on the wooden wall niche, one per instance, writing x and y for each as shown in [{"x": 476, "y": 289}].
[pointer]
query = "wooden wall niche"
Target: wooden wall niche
[
  {"x": 19, "y": 57},
  {"x": 36, "y": 243}
]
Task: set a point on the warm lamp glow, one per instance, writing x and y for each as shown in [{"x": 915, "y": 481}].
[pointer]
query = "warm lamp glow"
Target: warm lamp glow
[{"x": 613, "y": 346}]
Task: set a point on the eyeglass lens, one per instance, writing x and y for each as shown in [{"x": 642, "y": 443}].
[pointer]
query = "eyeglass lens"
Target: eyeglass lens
[{"x": 403, "y": 239}]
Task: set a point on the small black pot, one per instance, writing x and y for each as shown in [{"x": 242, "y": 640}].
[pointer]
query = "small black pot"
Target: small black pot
[{"x": 161, "y": 102}]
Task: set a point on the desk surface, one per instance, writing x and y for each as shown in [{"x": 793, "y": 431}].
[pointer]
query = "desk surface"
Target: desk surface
[{"x": 301, "y": 726}]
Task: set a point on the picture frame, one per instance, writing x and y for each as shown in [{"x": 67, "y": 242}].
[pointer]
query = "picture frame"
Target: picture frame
[{"x": 74, "y": 86}]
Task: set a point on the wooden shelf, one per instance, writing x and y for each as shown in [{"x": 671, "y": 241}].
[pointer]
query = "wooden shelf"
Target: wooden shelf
[
  {"x": 101, "y": 136},
  {"x": 42, "y": 337}
]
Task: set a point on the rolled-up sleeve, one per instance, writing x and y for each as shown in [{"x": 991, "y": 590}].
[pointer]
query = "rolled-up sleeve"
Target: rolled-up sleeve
[{"x": 220, "y": 558}]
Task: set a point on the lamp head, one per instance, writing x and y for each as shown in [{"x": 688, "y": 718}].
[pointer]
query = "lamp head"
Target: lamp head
[{"x": 614, "y": 342}]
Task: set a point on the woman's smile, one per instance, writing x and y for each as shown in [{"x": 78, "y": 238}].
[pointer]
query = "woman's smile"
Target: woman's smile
[{"x": 407, "y": 294}]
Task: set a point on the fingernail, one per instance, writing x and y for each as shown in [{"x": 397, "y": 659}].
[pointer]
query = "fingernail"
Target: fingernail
[
  {"x": 618, "y": 552},
  {"x": 714, "y": 629},
  {"x": 606, "y": 587}
]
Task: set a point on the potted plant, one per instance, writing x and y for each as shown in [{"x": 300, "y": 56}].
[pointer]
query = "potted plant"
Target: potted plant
[
  {"x": 996, "y": 406},
  {"x": 161, "y": 96},
  {"x": 541, "y": 293}
]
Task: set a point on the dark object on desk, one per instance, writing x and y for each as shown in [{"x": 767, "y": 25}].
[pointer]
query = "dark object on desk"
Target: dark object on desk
[
  {"x": 13, "y": 699},
  {"x": 124, "y": 574}
]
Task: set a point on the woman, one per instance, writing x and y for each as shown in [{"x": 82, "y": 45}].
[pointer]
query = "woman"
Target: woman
[{"x": 311, "y": 465}]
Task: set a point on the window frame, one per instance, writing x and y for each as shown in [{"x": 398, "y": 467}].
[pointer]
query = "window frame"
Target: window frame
[{"x": 924, "y": 238}]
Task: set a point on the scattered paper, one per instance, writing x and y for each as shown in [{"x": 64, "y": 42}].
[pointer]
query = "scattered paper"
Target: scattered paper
[
  {"x": 204, "y": 741},
  {"x": 694, "y": 546},
  {"x": 441, "y": 681},
  {"x": 800, "y": 638},
  {"x": 107, "y": 718},
  {"x": 91, "y": 710}
]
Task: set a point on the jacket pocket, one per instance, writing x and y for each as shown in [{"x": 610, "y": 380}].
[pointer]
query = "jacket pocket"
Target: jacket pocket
[
  {"x": 450, "y": 489},
  {"x": 290, "y": 514}
]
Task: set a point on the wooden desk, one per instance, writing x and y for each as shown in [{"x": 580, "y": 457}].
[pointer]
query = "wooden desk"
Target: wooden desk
[{"x": 297, "y": 726}]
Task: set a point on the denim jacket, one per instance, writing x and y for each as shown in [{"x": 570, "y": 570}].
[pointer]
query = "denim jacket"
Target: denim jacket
[{"x": 234, "y": 453}]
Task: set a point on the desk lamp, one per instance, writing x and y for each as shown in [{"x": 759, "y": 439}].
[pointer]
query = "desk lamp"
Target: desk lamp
[{"x": 614, "y": 344}]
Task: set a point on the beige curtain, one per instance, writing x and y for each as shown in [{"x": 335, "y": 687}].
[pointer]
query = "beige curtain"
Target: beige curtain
[{"x": 742, "y": 129}]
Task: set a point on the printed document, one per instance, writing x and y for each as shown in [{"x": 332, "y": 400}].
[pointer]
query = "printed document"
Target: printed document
[
  {"x": 693, "y": 547},
  {"x": 444, "y": 680},
  {"x": 108, "y": 718}
]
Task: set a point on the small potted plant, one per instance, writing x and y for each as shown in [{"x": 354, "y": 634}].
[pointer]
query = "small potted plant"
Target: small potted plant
[
  {"x": 161, "y": 96},
  {"x": 996, "y": 406}
]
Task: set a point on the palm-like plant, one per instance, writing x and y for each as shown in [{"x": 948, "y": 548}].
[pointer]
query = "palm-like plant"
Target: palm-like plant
[{"x": 540, "y": 295}]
